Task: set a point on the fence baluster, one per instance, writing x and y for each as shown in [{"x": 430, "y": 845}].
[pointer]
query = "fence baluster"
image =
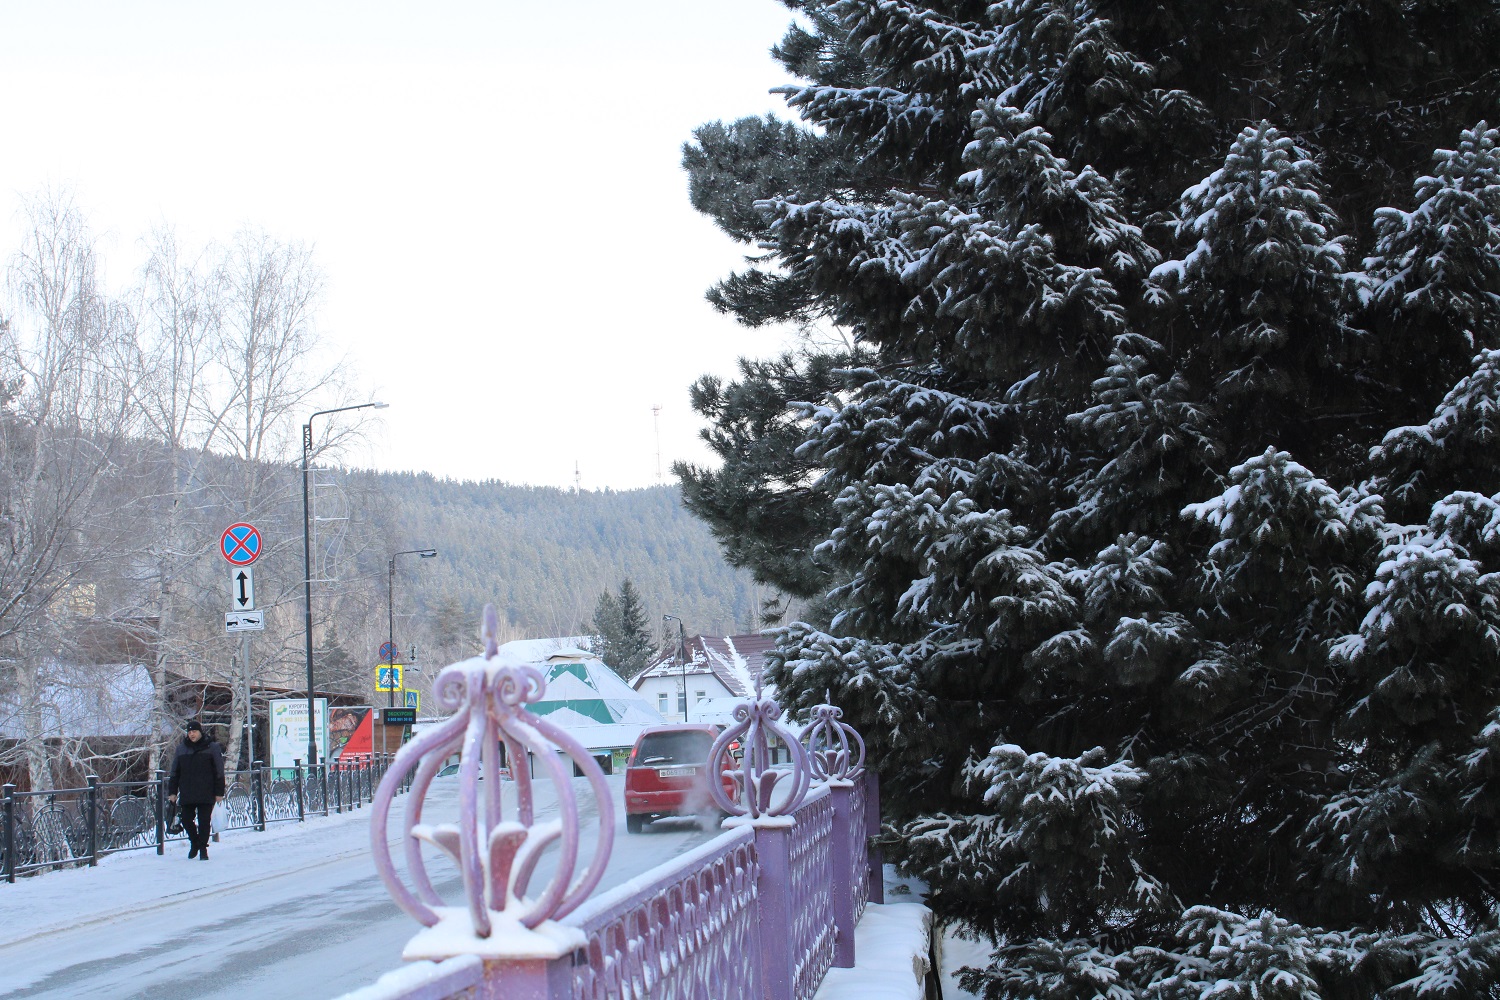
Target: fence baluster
[
  {"x": 10, "y": 833},
  {"x": 258, "y": 783},
  {"x": 297, "y": 780},
  {"x": 93, "y": 825},
  {"x": 323, "y": 778},
  {"x": 161, "y": 811}
]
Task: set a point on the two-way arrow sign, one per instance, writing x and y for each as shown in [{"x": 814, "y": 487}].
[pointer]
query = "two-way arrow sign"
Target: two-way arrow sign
[{"x": 242, "y": 589}]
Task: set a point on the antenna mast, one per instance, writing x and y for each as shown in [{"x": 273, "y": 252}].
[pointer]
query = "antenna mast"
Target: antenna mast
[{"x": 656, "y": 419}]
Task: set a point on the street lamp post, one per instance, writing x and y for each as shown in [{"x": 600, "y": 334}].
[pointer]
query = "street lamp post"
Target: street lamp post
[
  {"x": 390, "y": 608},
  {"x": 307, "y": 446},
  {"x": 681, "y": 659}
]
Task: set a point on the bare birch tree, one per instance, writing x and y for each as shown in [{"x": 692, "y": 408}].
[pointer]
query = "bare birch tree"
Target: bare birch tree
[{"x": 63, "y": 419}]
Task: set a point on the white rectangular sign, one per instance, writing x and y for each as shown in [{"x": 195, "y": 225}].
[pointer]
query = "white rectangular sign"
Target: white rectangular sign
[
  {"x": 289, "y": 730},
  {"x": 244, "y": 621},
  {"x": 242, "y": 589}
]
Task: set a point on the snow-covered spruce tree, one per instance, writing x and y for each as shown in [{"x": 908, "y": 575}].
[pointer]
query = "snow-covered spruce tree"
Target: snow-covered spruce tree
[{"x": 1155, "y": 505}]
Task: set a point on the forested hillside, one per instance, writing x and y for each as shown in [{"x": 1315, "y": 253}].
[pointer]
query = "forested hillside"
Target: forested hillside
[{"x": 544, "y": 555}]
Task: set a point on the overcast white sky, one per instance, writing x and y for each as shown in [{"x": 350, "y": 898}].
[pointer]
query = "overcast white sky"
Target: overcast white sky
[{"x": 493, "y": 190}]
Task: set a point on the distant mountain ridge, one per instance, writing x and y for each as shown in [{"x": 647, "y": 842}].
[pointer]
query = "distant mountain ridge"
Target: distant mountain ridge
[{"x": 543, "y": 555}]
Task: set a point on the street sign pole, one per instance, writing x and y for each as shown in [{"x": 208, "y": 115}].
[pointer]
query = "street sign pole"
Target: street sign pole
[
  {"x": 240, "y": 545},
  {"x": 247, "y": 749}
]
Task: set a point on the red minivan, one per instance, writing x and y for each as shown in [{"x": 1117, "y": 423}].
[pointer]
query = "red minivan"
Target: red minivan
[{"x": 668, "y": 774}]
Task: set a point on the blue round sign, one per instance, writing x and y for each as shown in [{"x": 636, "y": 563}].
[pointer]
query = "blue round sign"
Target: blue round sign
[{"x": 240, "y": 544}]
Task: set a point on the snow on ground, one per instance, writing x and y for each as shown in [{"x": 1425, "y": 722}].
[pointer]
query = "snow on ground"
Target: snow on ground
[
  {"x": 890, "y": 956},
  {"x": 297, "y": 910},
  {"x": 955, "y": 949}
]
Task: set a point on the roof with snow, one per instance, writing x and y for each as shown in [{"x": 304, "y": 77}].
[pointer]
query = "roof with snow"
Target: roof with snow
[
  {"x": 78, "y": 701},
  {"x": 582, "y": 691},
  {"x": 537, "y": 650},
  {"x": 735, "y": 660}
]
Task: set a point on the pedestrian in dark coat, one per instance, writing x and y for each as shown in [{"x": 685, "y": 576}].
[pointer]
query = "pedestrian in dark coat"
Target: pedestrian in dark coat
[{"x": 197, "y": 782}]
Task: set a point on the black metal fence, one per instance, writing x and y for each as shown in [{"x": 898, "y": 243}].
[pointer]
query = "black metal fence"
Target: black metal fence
[{"x": 71, "y": 827}]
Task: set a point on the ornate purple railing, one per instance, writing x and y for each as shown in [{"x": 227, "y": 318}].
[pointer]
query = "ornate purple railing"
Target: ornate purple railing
[
  {"x": 761, "y": 912},
  {"x": 812, "y": 863},
  {"x": 685, "y": 934},
  {"x": 858, "y": 832}
]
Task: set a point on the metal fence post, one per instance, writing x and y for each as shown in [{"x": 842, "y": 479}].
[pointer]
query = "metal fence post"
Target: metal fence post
[
  {"x": 323, "y": 777},
  {"x": 338, "y": 787},
  {"x": 840, "y": 792},
  {"x": 778, "y": 972},
  {"x": 93, "y": 827},
  {"x": 872, "y": 829},
  {"x": 259, "y": 784},
  {"x": 161, "y": 812},
  {"x": 297, "y": 779},
  {"x": 370, "y": 781},
  {"x": 10, "y": 832}
]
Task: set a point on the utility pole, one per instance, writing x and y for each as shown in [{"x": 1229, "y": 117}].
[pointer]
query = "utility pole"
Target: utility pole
[{"x": 681, "y": 659}]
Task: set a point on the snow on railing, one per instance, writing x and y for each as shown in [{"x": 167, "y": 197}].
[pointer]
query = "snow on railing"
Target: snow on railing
[{"x": 761, "y": 911}]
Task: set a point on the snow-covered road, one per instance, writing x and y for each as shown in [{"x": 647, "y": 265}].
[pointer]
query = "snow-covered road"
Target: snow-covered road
[{"x": 295, "y": 911}]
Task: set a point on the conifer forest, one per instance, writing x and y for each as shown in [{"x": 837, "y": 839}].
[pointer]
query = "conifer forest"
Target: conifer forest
[{"x": 1138, "y": 470}]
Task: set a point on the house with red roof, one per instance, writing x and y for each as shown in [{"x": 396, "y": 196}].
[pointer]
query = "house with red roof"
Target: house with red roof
[{"x": 680, "y": 684}]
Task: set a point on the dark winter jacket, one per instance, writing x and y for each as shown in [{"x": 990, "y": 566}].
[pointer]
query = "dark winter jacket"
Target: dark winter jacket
[{"x": 197, "y": 771}]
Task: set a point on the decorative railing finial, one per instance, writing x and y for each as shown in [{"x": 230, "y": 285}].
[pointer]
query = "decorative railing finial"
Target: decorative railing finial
[
  {"x": 496, "y": 857},
  {"x": 828, "y": 744},
  {"x": 756, "y": 776}
]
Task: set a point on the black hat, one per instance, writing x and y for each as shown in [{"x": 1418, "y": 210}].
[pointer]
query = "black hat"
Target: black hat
[{"x": 193, "y": 724}]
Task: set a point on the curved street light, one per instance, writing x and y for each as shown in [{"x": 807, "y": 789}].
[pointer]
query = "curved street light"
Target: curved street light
[
  {"x": 390, "y": 611},
  {"x": 307, "y": 446}
]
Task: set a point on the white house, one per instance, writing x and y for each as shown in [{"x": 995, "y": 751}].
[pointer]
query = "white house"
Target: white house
[{"x": 716, "y": 668}]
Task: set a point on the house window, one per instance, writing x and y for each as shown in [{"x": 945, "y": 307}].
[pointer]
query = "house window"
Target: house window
[
  {"x": 701, "y": 695},
  {"x": 661, "y": 703},
  {"x": 681, "y": 704}
]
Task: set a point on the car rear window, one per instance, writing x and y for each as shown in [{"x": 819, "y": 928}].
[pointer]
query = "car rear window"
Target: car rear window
[{"x": 674, "y": 748}]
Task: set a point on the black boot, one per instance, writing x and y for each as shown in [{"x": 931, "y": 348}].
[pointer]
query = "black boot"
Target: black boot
[
  {"x": 203, "y": 853},
  {"x": 194, "y": 852}
]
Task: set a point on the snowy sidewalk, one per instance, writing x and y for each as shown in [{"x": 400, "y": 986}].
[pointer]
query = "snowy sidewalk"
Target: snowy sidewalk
[
  {"x": 298, "y": 904},
  {"x": 131, "y": 882}
]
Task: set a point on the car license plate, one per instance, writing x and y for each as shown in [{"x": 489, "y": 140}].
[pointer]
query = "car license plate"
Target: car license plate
[{"x": 676, "y": 772}]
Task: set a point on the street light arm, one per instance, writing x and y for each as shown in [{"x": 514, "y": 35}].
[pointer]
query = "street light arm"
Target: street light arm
[{"x": 307, "y": 622}]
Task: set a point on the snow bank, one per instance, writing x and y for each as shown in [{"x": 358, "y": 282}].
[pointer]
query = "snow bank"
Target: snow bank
[{"x": 890, "y": 955}]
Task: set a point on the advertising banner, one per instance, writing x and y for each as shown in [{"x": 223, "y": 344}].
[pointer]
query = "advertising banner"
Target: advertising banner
[
  {"x": 289, "y": 731},
  {"x": 349, "y": 731}
]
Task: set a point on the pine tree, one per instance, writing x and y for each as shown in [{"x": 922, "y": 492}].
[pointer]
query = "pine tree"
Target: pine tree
[
  {"x": 605, "y": 628},
  {"x": 1150, "y": 512},
  {"x": 632, "y": 646},
  {"x": 622, "y": 631}
]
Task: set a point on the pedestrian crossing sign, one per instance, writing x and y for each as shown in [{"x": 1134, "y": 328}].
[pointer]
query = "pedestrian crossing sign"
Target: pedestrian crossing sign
[
  {"x": 388, "y": 678},
  {"x": 414, "y": 700}
]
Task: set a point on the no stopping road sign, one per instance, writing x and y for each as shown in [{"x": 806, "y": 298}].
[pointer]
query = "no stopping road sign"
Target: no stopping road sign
[{"x": 240, "y": 544}]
